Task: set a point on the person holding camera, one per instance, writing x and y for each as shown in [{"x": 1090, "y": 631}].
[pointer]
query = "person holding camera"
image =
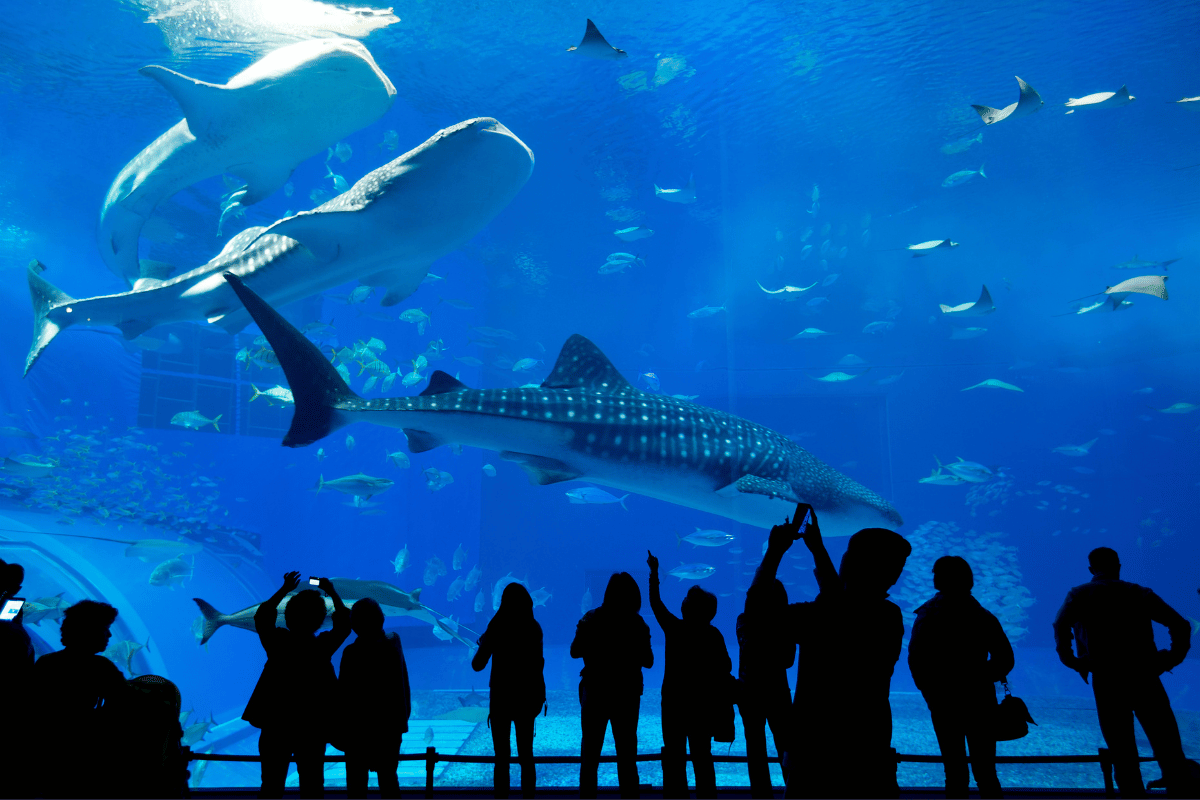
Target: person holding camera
[
  {"x": 293, "y": 702},
  {"x": 16, "y": 661}
]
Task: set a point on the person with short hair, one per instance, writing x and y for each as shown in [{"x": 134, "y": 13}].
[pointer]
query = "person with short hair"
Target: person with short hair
[
  {"x": 16, "y": 664},
  {"x": 614, "y": 643},
  {"x": 1110, "y": 622},
  {"x": 375, "y": 702},
  {"x": 695, "y": 693},
  {"x": 957, "y": 652},
  {"x": 292, "y": 703}
]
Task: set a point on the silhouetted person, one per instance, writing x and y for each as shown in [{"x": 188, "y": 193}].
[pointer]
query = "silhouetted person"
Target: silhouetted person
[
  {"x": 957, "y": 652},
  {"x": 614, "y": 643},
  {"x": 16, "y": 664},
  {"x": 150, "y": 733},
  {"x": 850, "y": 638},
  {"x": 513, "y": 642},
  {"x": 374, "y": 700},
  {"x": 1110, "y": 622},
  {"x": 292, "y": 704},
  {"x": 79, "y": 694},
  {"x": 763, "y": 693},
  {"x": 695, "y": 670}
]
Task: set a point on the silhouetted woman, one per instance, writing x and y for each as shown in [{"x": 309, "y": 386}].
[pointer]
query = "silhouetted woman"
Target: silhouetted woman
[
  {"x": 763, "y": 694},
  {"x": 513, "y": 642},
  {"x": 957, "y": 652},
  {"x": 695, "y": 674},
  {"x": 375, "y": 701},
  {"x": 614, "y": 643}
]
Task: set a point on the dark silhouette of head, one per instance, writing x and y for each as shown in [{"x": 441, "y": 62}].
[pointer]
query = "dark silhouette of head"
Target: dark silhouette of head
[
  {"x": 622, "y": 595},
  {"x": 11, "y": 578},
  {"x": 699, "y": 607},
  {"x": 305, "y": 612},
  {"x": 766, "y": 598},
  {"x": 873, "y": 561},
  {"x": 85, "y": 626},
  {"x": 1103, "y": 563},
  {"x": 516, "y": 601},
  {"x": 366, "y": 617},
  {"x": 953, "y": 575}
]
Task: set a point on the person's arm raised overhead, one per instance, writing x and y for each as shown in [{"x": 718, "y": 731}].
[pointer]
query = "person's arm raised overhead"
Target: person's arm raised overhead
[
  {"x": 778, "y": 542},
  {"x": 340, "y": 616},
  {"x": 661, "y": 612},
  {"x": 823, "y": 569},
  {"x": 268, "y": 610}
]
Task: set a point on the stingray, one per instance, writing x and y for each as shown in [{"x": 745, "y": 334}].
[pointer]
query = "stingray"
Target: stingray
[
  {"x": 1154, "y": 285},
  {"x": 1190, "y": 103},
  {"x": 594, "y": 45},
  {"x": 924, "y": 248},
  {"x": 287, "y": 106},
  {"x": 386, "y": 231},
  {"x": 840, "y": 377},
  {"x": 1121, "y": 97},
  {"x": 1029, "y": 102},
  {"x": 787, "y": 292},
  {"x": 146, "y": 549},
  {"x": 976, "y": 309},
  {"x": 993, "y": 383},
  {"x": 685, "y": 195}
]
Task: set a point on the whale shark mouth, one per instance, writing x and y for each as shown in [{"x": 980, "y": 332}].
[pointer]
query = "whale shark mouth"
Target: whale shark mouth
[{"x": 585, "y": 421}]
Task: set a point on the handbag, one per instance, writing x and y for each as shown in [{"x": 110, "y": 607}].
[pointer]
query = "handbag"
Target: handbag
[{"x": 1012, "y": 717}]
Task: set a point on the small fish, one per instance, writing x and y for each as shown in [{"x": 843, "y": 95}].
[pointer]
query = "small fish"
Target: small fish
[
  {"x": 1144, "y": 390},
  {"x": 590, "y": 494},
  {"x": 706, "y": 311},
  {"x": 585, "y": 604},
  {"x": 692, "y": 572},
  {"x": 804, "y": 251},
  {"x": 171, "y": 572},
  {"x": 526, "y": 364},
  {"x": 429, "y": 736},
  {"x": 1076, "y": 450},
  {"x": 349, "y": 442},
  {"x": 417, "y": 317},
  {"x": 970, "y": 471},
  {"x": 830, "y": 278},
  {"x": 633, "y": 234},
  {"x": 462, "y": 305},
  {"x": 398, "y": 458},
  {"x": 962, "y": 176},
  {"x": 811, "y": 333},
  {"x": 967, "y": 333},
  {"x": 339, "y": 183},
  {"x": 881, "y": 326},
  {"x": 470, "y": 361},
  {"x": 651, "y": 380},
  {"x": 938, "y": 478},
  {"x": 460, "y": 555},
  {"x": 278, "y": 394},
  {"x": 402, "y": 560},
  {"x": 706, "y": 538},
  {"x": 390, "y": 140},
  {"x": 194, "y": 420},
  {"x": 480, "y": 601},
  {"x": 993, "y": 383},
  {"x": 455, "y": 590},
  {"x": 489, "y": 470},
  {"x": 961, "y": 145},
  {"x": 437, "y": 479},
  {"x": 288, "y": 191},
  {"x": 1178, "y": 408}
]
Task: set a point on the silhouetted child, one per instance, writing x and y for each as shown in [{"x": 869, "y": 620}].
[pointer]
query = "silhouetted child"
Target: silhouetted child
[
  {"x": 957, "y": 652},
  {"x": 763, "y": 692},
  {"x": 375, "y": 702},
  {"x": 80, "y": 695},
  {"x": 153, "y": 764},
  {"x": 614, "y": 643},
  {"x": 513, "y": 641},
  {"x": 1111, "y": 623},
  {"x": 292, "y": 704},
  {"x": 695, "y": 674},
  {"x": 16, "y": 664},
  {"x": 850, "y": 638}
]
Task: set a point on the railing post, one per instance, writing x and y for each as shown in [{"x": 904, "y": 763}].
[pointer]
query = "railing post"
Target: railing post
[
  {"x": 430, "y": 763},
  {"x": 1106, "y": 767}
]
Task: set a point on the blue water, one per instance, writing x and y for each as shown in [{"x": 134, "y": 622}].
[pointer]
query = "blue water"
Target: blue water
[{"x": 759, "y": 101}]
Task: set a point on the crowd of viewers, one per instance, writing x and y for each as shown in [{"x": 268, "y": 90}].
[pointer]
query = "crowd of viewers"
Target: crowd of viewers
[{"x": 833, "y": 735}]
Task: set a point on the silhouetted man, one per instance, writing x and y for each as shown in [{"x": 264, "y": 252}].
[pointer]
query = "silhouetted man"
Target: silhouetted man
[
  {"x": 16, "y": 664},
  {"x": 1110, "y": 622},
  {"x": 957, "y": 652},
  {"x": 293, "y": 701},
  {"x": 850, "y": 639}
]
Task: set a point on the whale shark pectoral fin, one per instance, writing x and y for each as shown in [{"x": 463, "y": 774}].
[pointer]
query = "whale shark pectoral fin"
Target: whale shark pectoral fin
[
  {"x": 262, "y": 179},
  {"x": 200, "y": 101},
  {"x": 133, "y": 328},
  {"x": 542, "y": 471},
  {"x": 400, "y": 283},
  {"x": 318, "y": 231},
  {"x": 752, "y": 484},
  {"x": 420, "y": 441}
]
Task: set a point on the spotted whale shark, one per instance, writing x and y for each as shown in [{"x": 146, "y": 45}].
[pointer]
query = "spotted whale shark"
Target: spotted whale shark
[
  {"x": 289, "y": 105},
  {"x": 585, "y": 421},
  {"x": 385, "y": 231}
]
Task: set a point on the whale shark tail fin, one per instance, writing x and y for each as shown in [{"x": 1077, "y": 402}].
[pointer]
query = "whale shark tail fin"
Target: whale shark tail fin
[
  {"x": 317, "y": 388},
  {"x": 46, "y": 299}
]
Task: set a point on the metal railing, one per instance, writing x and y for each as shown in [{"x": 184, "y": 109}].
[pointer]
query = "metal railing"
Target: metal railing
[{"x": 432, "y": 758}]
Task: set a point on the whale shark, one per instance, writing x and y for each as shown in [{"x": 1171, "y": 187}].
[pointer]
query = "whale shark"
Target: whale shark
[
  {"x": 385, "y": 231},
  {"x": 287, "y": 106},
  {"x": 585, "y": 421},
  {"x": 1029, "y": 102}
]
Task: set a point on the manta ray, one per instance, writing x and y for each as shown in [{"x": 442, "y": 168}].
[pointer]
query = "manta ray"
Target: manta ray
[
  {"x": 594, "y": 45},
  {"x": 386, "y": 231},
  {"x": 1029, "y": 102},
  {"x": 585, "y": 421},
  {"x": 980, "y": 307},
  {"x": 287, "y": 106}
]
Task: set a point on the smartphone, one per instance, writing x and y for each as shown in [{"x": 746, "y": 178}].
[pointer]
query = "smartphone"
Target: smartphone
[
  {"x": 315, "y": 581},
  {"x": 804, "y": 525},
  {"x": 12, "y": 607}
]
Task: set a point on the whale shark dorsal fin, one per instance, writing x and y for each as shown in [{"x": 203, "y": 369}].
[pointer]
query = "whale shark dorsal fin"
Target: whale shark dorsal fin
[
  {"x": 441, "y": 383},
  {"x": 158, "y": 270},
  {"x": 581, "y": 365},
  {"x": 199, "y": 100}
]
